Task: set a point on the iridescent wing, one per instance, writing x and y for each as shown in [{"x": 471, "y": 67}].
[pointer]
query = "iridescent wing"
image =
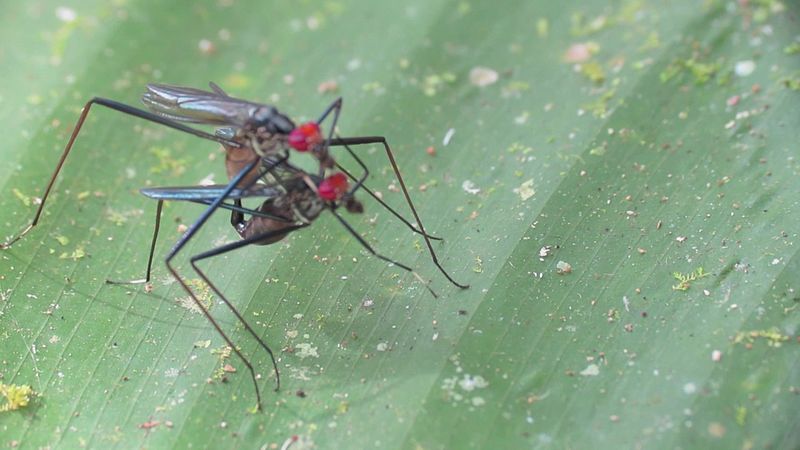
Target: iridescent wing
[{"x": 192, "y": 105}]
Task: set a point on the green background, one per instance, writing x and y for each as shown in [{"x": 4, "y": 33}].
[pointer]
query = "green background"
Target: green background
[{"x": 672, "y": 147}]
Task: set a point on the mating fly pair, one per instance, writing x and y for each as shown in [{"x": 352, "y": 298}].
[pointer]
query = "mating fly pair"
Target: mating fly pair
[{"x": 258, "y": 140}]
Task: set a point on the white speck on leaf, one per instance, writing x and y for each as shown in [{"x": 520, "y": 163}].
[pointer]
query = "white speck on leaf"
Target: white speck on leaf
[
  {"x": 305, "y": 350},
  {"x": 65, "y": 14},
  {"x": 525, "y": 190},
  {"x": 483, "y": 76},
  {"x": 592, "y": 370},
  {"x": 448, "y": 136},
  {"x": 744, "y": 68},
  {"x": 470, "y": 187}
]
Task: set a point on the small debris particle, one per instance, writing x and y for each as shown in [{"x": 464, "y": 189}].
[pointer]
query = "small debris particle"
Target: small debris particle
[
  {"x": 525, "y": 190},
  {"x": 483, "y": 76},
  {"x": 716, "y": 356},
  {"x": 716, "y": 429},
  {"x": 641, "y": 251},
  {"x": 431, "y": 150},
  {"x": 368, "y": 303},
  {"x": 182, "y": 228},
  {"x": 545, "y": 252},
  {"x": 478, "y": 401},
  {"x": 470, "y": 383},
  {"x": 26, "y": 200},
  {"x": 382, "y": 346},
  {"x": 689, "y": 388},
  {"x": 563, "y": 268},
  {"x": 300, "y": 393},
  {"x": 580, "y": 52},
  {"x": 685, "y": 280},
  {"x": 63, "y": 240},
  {"x": 681, "y": 239},
  {"x": 228, "y": 368},
  {"x": 478, "y": 266},
  {"x": 16, "y": 396},
  {"x": 328, "y": 86},
  {"x": 733, "y": 100},
  {"x": 75, "y": 255},
  {"x": 206, "y": 47},
  {"x": 203, "y": 344},
  {"x": 744, "y": 68},
  {"x": 542, "y": 27},
  {"x": 448, "y": 136},
  {"x": 629, "y": 327},
  {"x": 149, "y": 424},
  {"x": 592, "y": 370},
  {"x": 470, "y": 188},
  {"x": 305, "y": 350},
  {"x": 613, "y": 418},
  {"x": 65, "y": 14}
]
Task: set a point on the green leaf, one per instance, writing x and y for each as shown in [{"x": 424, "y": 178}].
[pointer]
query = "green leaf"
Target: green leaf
[{"x": 573, "y": 189}]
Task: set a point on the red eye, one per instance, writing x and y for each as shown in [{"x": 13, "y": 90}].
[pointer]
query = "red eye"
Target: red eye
[
  {"x": 333, "y": 187},
  {"x": 305, "y": 137}
]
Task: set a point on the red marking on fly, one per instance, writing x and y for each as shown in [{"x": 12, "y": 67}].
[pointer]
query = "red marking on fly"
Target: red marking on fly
[
  {"x": 305, "y": 137},
  {"x": 333, "y": 187}
]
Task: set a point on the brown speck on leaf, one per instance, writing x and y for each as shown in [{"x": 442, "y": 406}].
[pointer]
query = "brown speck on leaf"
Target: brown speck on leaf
[
  {"x": 182, "y": 228},
  {"x": 229, "y": 368},
  {"x": 580, "y": 52},
  {"x": 149, "y": 424},
  {"x": 327, "y": 86},
  {"x": 431, "y": 150},
  {"x": 300, "y": 393},
  {"x": 629, "y": 327}
]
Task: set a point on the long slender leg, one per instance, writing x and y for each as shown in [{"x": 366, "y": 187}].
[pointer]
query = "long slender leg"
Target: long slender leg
[
  {"x": 383, "y": 203},
  {"x": 228, "y": 248},
  {"x": 237, "y": 212},
  {"x": 182, "y": 243},
  {"x": 146, "y": 278},
  {"x": 382, "y": 140},
  {"x": 123, "y": 108},
  {"x": 188, "y": 236},
  {"x": 369, "y": 248}
]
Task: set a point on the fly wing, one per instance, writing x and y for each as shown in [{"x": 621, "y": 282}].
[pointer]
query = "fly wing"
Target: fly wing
[
  {"x": 187, "y": 104},
  {"x": 210, "y": 192}
]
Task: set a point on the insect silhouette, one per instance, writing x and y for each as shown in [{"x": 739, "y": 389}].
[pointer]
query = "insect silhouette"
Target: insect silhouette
[
  {"x": 252, "y": 134},
  {"x": 257, "y": 139}
]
